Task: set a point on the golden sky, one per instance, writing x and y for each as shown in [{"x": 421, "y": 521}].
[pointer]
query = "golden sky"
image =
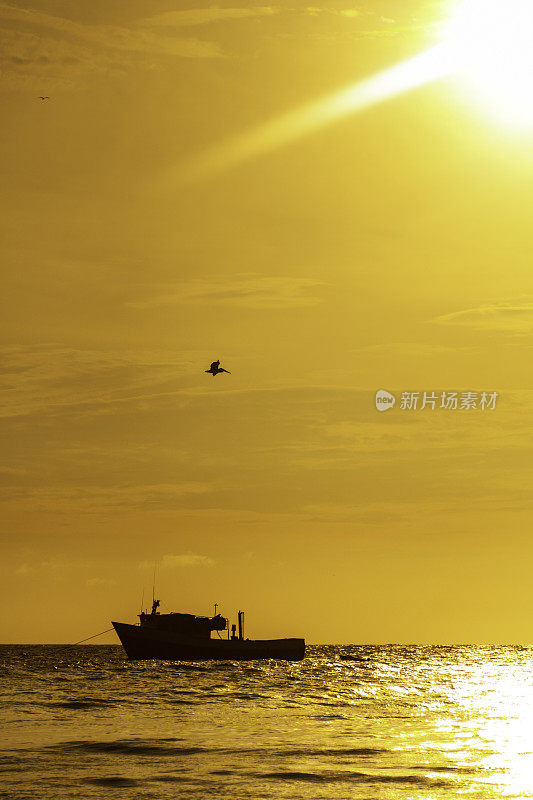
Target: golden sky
[{"x": 388, "y": 248}]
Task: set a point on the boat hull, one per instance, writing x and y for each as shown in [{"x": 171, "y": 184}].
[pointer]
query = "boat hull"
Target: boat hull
[{"x": 147, "y": 643}]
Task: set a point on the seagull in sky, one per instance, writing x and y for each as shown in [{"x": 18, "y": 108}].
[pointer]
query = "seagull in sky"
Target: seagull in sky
[
  {"x": 44, "y": 98},
  {"x": 215, "y": 368}
]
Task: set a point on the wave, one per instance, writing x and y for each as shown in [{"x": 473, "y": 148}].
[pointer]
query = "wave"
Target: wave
[
  {"x": 132, "y": 747},
  {"x": 115, "y": 781},
  {"x": 356, "y": 777},
  {"x": 449, "y": 768},
  {"x": 296, "y": 776},
  {"x": 83, "y": 703},
  {"x": 172, "y": 748},
  {"x": 347, "y": 751},
  {"x": 184, "y": 702}
]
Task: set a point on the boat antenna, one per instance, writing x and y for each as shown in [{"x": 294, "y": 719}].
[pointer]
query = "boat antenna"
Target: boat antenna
[
  {"x": 142, "y": 601},
  {"x": 216, "y": 606},
  {"x": 153, "y": 584}
]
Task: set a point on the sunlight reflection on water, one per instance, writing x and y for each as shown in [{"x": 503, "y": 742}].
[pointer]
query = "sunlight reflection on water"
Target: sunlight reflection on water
[{"x": 387, "y": 722}]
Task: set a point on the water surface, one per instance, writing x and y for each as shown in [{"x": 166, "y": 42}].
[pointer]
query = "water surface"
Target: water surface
[{"x": 357, "y": 722}]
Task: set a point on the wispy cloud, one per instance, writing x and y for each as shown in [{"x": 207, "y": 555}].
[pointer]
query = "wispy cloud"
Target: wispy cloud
[
  {"x": 406, "y": 349},
  {"x": 248, "y": 291},
  {"x": 60, "y": 569},
  {"x": 54, "y": 567},
  {"x": 170, "y": 561},
  {"x": 113, "y": 37},
  {"x": 59, "y": 51},
  {"x": 103, "y": 499},
  {"x": 100, "y": 582},
  {"x": 366, "y": 20},
  {"x": 206, "y": 16},
  {"x": 13, "y": 471},
  {"x": 514, "y": 317},
  {"x": 48, "y": 376},
  {"x": 362, "y": 23},
  {"x": 368, "y": 513}
]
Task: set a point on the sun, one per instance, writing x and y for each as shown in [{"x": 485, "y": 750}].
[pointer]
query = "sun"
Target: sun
[
  {"x": 487, "y": 44},
  {"x": 492, "y": 42}
]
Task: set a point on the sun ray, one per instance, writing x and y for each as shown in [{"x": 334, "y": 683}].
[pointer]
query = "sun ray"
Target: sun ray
[{"x": 430, "y": 65}]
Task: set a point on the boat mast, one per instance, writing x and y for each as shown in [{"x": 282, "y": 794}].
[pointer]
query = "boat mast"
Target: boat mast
[{"x": 155, "y": 603}]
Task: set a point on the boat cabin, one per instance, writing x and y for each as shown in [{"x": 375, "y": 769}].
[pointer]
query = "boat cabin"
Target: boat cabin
[{"x": 185, "y": 624}]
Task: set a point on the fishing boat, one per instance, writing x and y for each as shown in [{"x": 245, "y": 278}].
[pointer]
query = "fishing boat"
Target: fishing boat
[{"x": 186, "y": 637}]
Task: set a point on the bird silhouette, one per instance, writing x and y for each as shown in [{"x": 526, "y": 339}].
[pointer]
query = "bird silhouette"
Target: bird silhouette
[
  {"x": 215, "y": 368},
  {"x": 44, "y": 98}
]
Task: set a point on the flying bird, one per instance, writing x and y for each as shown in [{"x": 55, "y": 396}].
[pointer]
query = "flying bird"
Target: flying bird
[
  {"x": 44, "y": 98},
  {"x": 215, "y": 368}
]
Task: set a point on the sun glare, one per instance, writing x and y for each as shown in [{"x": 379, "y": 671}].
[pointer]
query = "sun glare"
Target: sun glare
[
  {"x": 493, "y": 45},
  {"x": 488, "y": 43}
]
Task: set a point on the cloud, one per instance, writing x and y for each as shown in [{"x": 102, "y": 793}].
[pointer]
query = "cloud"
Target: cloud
[
  {"x": 59, "y": 569},
  {"x": 344, "y": 444},
  {"x": 25, "y": 569},
  {"x": 205, "y": 16},
  {"x": 368, "y": 513},
  {"x": 406, "y": 349},
  {"x": 212, "y": 14},
  {"x": 178, "y": 561},
  {"x": 514, "y": 317},
  {"x": 400, "y": 509},
  {"x": 95, "y": 582},
  {"x": 246, "y": 291},
  {"x": 53, "y": 377},
  {"x": 103, "y": 499},
  {"x": 316, "y": 11},
  {"x": 60, "y": 52},
  {"x": 359, "y": 23},
  {"x": 108, "y": 36}
]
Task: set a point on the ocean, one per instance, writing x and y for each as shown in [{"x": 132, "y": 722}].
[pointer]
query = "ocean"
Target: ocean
[{"x": 392, "y": 722}]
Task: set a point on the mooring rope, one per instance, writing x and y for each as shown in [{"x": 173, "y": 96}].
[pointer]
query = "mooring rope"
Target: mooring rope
[{"x": 91, "y": 637}]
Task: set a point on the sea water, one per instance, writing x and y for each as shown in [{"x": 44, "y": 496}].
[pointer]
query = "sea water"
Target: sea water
[{"x": 392, "y": 722}]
